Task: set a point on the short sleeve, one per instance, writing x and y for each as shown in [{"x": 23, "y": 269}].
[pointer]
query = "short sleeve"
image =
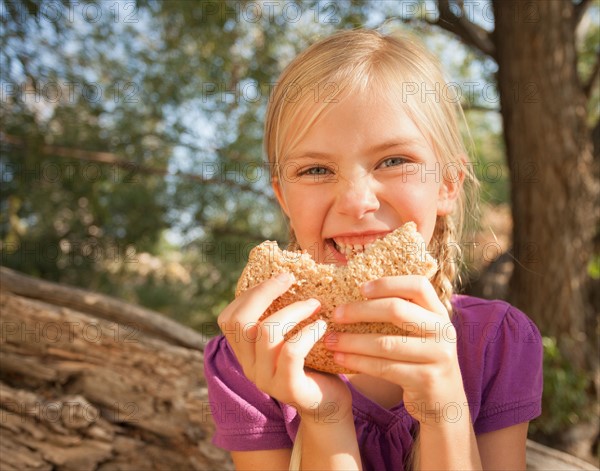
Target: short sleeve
[
  {"x": 512, "y": 379},
  {"x": 246, "y": 418}
]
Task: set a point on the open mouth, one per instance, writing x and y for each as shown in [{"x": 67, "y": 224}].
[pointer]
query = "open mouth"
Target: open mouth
[
  {"x": 348, "y": 250},
  {"x": 349, "y": 246}
]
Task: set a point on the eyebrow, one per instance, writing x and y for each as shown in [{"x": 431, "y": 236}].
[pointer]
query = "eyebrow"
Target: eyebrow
[{"x": 389, "y": 144}]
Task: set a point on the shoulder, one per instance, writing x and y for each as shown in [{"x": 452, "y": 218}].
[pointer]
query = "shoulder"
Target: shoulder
[
  {"x": 493, "y": 331},
  {"x": 245, "y": 417},
  {"x": 500, "y": 354},
  {"x": 472, "y": 307},
  {"x": 221, "y": 365},
  {"x": 484, "y": 321},
  {"x": 223, "y": 372},
  {"x": 218, "y": 353}
]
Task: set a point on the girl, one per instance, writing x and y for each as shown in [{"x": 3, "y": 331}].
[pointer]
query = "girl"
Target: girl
[{"x": 362, "y": 136}]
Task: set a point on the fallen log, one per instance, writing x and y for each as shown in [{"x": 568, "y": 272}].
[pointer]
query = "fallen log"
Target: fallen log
[
  {"x": 542, "y": 458},
  {"x": 100, "y": 305},
  {"x": 79, "y": 391}
]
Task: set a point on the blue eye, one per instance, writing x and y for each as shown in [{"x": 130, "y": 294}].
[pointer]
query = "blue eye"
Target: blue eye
[
  {"x": 318, "y": 171},
  {"x": 394, "y": 161}
]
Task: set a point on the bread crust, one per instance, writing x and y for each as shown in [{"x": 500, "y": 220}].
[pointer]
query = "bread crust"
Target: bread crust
[{"x": 402, "y": 252}]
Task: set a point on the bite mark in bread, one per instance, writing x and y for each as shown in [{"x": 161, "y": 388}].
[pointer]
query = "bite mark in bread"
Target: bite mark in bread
[{"x": 402, "y": 252}]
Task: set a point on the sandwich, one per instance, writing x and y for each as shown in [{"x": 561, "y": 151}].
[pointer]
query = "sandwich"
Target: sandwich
[{"x": 401, "y": 252}]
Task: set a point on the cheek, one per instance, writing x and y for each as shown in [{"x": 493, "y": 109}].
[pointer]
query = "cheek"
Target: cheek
[
  {"x": 418, "y": 203},
  {"x": 304, "y": 214}
]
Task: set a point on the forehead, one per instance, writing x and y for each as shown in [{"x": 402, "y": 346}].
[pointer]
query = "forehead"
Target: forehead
[{"x": 356, "y": 121}]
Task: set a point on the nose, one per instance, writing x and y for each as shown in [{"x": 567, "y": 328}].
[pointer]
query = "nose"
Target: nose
[{"x": 357, "y": 197}]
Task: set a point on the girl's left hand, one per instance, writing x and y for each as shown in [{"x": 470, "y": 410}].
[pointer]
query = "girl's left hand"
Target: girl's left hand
[{"x": 423, "y": 361}]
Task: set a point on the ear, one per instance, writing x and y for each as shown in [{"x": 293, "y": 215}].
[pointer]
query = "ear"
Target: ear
[
  {"x": 453, "y": 177},
  {"x": 280, "y": 197}
]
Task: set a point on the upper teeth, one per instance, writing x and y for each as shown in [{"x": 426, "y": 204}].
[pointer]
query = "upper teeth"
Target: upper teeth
[{"x": 348, "y": 249}]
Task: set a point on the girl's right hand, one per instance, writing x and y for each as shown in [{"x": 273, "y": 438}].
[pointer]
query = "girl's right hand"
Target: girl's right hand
[{"x": 276, "y": 365}]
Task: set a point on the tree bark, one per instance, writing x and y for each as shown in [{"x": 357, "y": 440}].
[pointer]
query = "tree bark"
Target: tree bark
[
  {"x": 80, "y": 392},
  {"x": 135, "y": 317},
  {"x": 542, "y": 458},
  {"x": 549, "y": 151}
]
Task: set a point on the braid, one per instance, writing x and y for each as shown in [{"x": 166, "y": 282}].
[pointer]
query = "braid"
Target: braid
[{"x": 446, "y": 250}]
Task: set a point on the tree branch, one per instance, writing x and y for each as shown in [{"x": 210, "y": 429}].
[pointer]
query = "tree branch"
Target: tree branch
[
  {"x": 133, "y": 168},
  {"x": 470, "y": 33}
]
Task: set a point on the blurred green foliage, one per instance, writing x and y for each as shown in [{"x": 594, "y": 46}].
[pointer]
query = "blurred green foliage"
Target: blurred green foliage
[
  {"x": 131, "y": 159},
  {"x": 565, "y": 400},
  {"x": 594, "y": 268}
]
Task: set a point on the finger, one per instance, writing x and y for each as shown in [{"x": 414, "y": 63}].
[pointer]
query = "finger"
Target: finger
[
  {"x": 251, "y": 304},
  {"x": 406, "y": 315},
  {"x": 290, "y": 364},
  {"x": 415, "y": 288},
  {"x": 272, "y": 332},
  {"x": 290, "y": 316},
  {"x": 391, "y": 370},
  {"x": 392, "y": 347},
  {"x": 238, "y": 322}
]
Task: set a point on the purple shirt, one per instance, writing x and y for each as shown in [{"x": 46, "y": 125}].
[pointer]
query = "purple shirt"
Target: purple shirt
[{"x": 500, "y": 357}]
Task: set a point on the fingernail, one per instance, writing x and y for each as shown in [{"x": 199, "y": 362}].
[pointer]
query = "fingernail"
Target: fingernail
[
  {"x": 338, "y": 313},
  {"x": 367, "y": 288},
  {"x": 330, "y": 339},
  {"x": 286, "y": 278},
  {"x": 312, "y": 302}
]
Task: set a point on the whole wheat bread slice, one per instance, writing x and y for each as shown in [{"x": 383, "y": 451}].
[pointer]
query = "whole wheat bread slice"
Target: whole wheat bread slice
[{"x": 402, "y": 252}]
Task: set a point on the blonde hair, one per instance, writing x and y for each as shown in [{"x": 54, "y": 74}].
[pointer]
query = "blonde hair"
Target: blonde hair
[
  {"x": 356, "y": 61},
  {"x": 400, "y": 68}
]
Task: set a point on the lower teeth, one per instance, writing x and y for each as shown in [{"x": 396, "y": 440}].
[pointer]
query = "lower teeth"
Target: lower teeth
[{"x": 348, "y": 252}]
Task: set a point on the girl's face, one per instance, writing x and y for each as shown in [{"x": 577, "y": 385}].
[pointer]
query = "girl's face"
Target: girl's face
[{"x": 360, "y": 172}]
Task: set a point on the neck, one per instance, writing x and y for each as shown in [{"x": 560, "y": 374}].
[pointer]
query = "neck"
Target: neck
[{"x": 380, "y": 391}]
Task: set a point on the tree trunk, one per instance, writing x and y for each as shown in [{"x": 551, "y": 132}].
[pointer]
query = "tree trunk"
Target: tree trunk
[
  {"x": 79, "y": 392},
  {"x": 549, "y": 151}
]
